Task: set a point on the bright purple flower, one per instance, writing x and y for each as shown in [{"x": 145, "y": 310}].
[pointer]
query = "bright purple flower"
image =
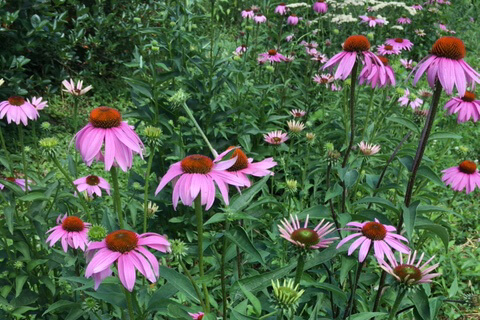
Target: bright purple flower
[
  {"x": 400, "y": 43},
  {"x": 93, "y": 185},
  {"x": 281, "y": 9},
  {"x": 127, "y": 249},
  {"x": 297, "y": 113},
  {"x": 17, "y": 110},
  {"x": 196, "y": 316},
  {"x": 408, "y": 64},
  {"x": 417, "y": 7},
  {"x": 354, "y": 47},
  {"x": 335, "y": 87},
  {"x": 289, "y": 38},
  {"x": 465, "y": 176},
  {"x": 196, "y": 175},
  {"x": 373, "y": 233},
  {"x": 248, "y": 14},
  {"x": 410, "y": 273},
  {"x": 259, "y": 18},
  {"x": 77, "y": 90},
  {"x": 72, "y": 231},
  {"x": 410, "y": 100},
  {"x": 106, "y": 129},
  {"x": 386, "y": 49},
  {"x": 404, "y": 20},
  {"x": 304, "y": 237},
  {"x": 271, "y": 56},
  {"x": 446, "y": 64},
  {"x": 38, "y": 103},
  {"x": 18, "y": 182},
  {"x": 320, "y": 6},
  {"x": 292, "y": 20},
  {"x": 374, "y": 77},
  {"x": 466, "y": 107},
  {"x": 244, "y": 166},
  {"x": 275, "y": 137},
  {"x": 372, "y": 21},
  {"x": 320, "y": 57}
]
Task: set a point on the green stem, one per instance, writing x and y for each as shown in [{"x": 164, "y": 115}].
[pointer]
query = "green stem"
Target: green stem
[
  {"x": 75, "y": 128},
  {"x": 69, "y": 180},
  {"x": 128, "y": 297},
  {"x": 194, "y": 284},
  {"x": 367, "y": 117},
  {"x": 222, "y": 270},
  {"x": 24, "y": 159},
  {"x": 396, "y": 305},
  {"x": 145, "y": 197},
  {"x": 7, "y": 153},
  {"x": 299, "y": 271},
  {"x": 190, "y": 115},
  {"x": 116, "y": 197},
  {"x": 199, "y": 215}
]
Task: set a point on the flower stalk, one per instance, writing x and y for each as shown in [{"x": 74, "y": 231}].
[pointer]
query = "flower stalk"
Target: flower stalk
[
  {"x": 116, "y": 197},
  {"x": 145, "y": 196},
  {"x": 202, "y": 134},
  {"x": 24, "y": 160},
  {"x": 396, "y": 305},
  {"x": 300, "y": 266},
  {"x": 7, "y": 153},
  {"x": 199, "y": 216}
]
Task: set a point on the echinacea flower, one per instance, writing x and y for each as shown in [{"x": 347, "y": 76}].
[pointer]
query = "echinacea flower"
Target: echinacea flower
[
  {"x": 374, "y": 77},
  {"x": 72, "y": 231},
  {"x": 295, "y": 126},
  {"x": 281, "y": 9},
  {"x": 409, "y": 272},
  {"x": 325, "y": 79},
  {"x": 408, "y": 64},
  {"x": 417, "y": 7},
  {"x": 275, "y": 137},
  {"x": 386, "y": 49},
  {"x": 425, "y": 93},
  {"x": 248, "y": 14},
  {"x": 304, "y": 237},
  {"x": 410, "y": 100},
  {"x": 354, "y": 47},
  {"x": 368, "y": 149},
  {"x": 287, "y": 295},
  {"x": 372, "y": 21},
  {"x": 271, "y": 56},
  {"x": 420, "y": 32},
  {"x": 466, "y": 107},
  {"x": 404, "y": 20},
  {"x": 106, "y": 130},
  {"x": 18, "y": 182},
  {"x": 196, "y": 316},
  {"x": 77, "y": 90},
  {"x": 297, "y": 113},
  {"x": 320, "y": 58},
  {"x": 241, "y": 49},
  {"x": 289, "y": 37},
  {"x": 196, "y": 175},
  {"x": 244, "y": 166},
  {"x": 465, "y": 176},
  {"x": 92, "y": 184},
  {"x": 320, "y": 6},
  {"x": 400, "y": 43},
  {"x": 126, "y": 248},
  {"x": 446, "y": 64},
  {"x": 259, "y": 18},
  {"x": 374, "y": 234},
  {"x": 17, "y": 110},
  {"x": 292, "y": 20},
  {"x": 38, "y": 103}
]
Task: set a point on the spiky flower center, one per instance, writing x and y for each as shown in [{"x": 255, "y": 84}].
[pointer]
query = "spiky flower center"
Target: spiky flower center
[
  {"x": 468, "y": 167},
  {"x": 407, "y": 272},
  {"x": 372, "y": 17},
  {"x": 374, "y": 231},
  {"x": 248, "y": 10},
  {"x": 398, "y": 40},
  {"x": 449, "y": 47},
  {"x": 293, "y": 15},
  {"x": 272, "y": 52},
  {"x": 200, "y": 317},
  {"x": 105, "y": 117},
  {"x": 16, "y": 101},
  {"x": 305, "y": 236},
  {"x": 282, "y": 4},
  {"x": 121, "y": 241},
  {"x": 11, "y": 179},
  {"x": 356, "y": 43},
  {"x": 197, "y": 164},
  {"x": 469, "y": 96},
  {"x": 72, "y": 224},
  {"x": 242, "y": 160},
  {"x": 259, "y": 14},
  {"x": 388, "y": 47},
  {"x": 384, "y": 60},
  {"x": 277, "y": 139},
  {"x": 92, "y": 180}
]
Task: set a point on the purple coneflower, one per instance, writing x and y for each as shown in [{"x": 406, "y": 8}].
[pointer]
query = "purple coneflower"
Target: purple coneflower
[
  {"x": 305, "y": 237},
  {"x": 126, "y": 248},
  {"x": 106, "y": 129},
  {"x": 271, "y": 56},
  {"x": 196, "y": 316},
  {"x": 373, "y": 233},
  {"x": 400, "y": 43},
  {"x": 92, "y": 184},
  {"x": 281, "y": 9},
  {"x": 289, "y": 37},
  {"x": 275, "y": 137},
  {"x": 320, "y": 57},
  {"x": 372, "y": 20},
  {"x": 18, "y": 182},
  {"x": 259, "y": 18},
  {"x": 38, "y": 103},
  {"x": 17, "y": 110},
  {"x": 404, "y": 20},
  {"x": 465, "y": 176},
  {"x": 417, "y": 7},
  {"x": 297, "y": 113},
  {"x": 72, "y": 231},
  {"x": 241, "y": 49},
  {"x": 386, "y": 49},
  {"x": 292, "y": 20},
  {"x": 420, "y": 32},
  {"x": 410, "y": 100},
  {"x": 248, "y": 14},
  {"x": 410, "y": 273},
  {"x": 368, "y": 149},
  {"x": 320, "y": 6},
  {"x": 77, "y": 90},
  {"x": 374, "y": 77},
  {"x": 325, "y": 79},
  {"x": 466, "y": 107},
  {"x": 408, "y": 64}
]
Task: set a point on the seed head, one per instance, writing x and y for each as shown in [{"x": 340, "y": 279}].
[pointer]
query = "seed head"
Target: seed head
[
  {"x": 286, "y": 296},
  {"x": 97, "y": 233}
]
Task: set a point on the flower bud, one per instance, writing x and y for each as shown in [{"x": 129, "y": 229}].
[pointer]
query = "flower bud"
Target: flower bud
[
  {"x": 97, "y": 233},
  {"x": 336, "y": 31},
  {"x": 292, "y": 185},
  {"x": 137, "y": 20},
  {"x": 270, "y": 69},
  {"x": 180, "y": 97},
  {"x": 46, "y": 126},
  {"x": 370, "y": 36},
  {"x": 179, "y": 248}
]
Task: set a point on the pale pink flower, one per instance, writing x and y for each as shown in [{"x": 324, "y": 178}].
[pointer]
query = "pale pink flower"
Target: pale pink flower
[
  {"x": 72, "y": 232},
  {"x": 241, "y": 49},
  {"x": 292, "y": 20},
  {"x": 466, "y": 107},
  {"x": 417, "y": 7},
  {"x": 400, "y": 43},
  {"x": 281, "y": 9},
  {"x": 297, "y": 113},
  {"x": 275, "y": 137},
  {"x": 271, "y": 56},
  {"x": 107, "y": 130},
  {"x": 18, "y": 182},
  {"x": 126, "y": 248},
  {"x": 410, "y": 100},
  {"x": 372, "y": 21},
  {"x": 295, "y": 126},
  {"x": 374, "y": 78},
  {"x": 320, "y": 57},
  {"x": 335, "y": 87},
  {"x": 404, "y": 20},
  {"x": 38, "y": 103},
  {"x": 320, "y": 6},
  {"x": 17, "y": 110},
  {"x": 248, "y": 14},
  {"x": 408, "y": 272},
  {"x": 289, "y": 38},
  {"x": 374, "y": 234},
  {"x": 445, "y": 64},
  {"x": 77, "y": 90},
  {"x": 386, "y": 49},
  {"x": 259, "y": 18},
  {"x": 368, "y": 149},
  {"x": 408, "y": 64},
  {"x": 304, "y": 237},
  {"x": 92, "y": 184},
  {"x": 420, "y": 32},
  {"x": 196, "y": 316},
  {"x": 465, "y": 176},
  {"x": 325, "y": 79}
]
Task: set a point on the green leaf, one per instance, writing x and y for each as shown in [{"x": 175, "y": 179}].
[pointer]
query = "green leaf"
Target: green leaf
[
  {"x": 235, "y": 315},
  {"x": 240, "y": 238},
  {"x": 437, "y": 229},
  {"x": 420, "y": 300},
  {"x": 333, "y": 192},
  {"x": 261, "y": 281},
  {"x": 350, "y": 178},
  {"x": 368, "y": 315},
  {"x": 9, "y": 213},
  {"x": 19, "y": 282},
  {"x": 444, "y": 135},
  {"x": 405, "y": 122},
  {"x": 407, "y": 162},
  {"x": 428, "y": 173},
  {"x": 409, "y": 216},
  {"x": 453, "y": 288},
  {"x": 32, "y": 196},
  {"x": 180, "y": 282},
  {"x": 246, "y": 197},
  {"x": 253, "y": 300},
  {"x": 380, "y": 201}
]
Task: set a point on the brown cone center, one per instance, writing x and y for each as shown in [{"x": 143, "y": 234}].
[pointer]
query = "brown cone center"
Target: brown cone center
[
  {"x": 121, "y": 241},
  {"x": 105, "y": 117},
  {"x": 384, "y": 60},
  {"x": 197, "y": 164},
  {"x": 449, "y": 47},
  {"x": 93, "y": 180},
  {"x": 398, "y": 40},
  {"x": 388, "y": 47},
  {"x": 73, "y": 224},
  {"x": 469, "y": 96},
  {"x": 242, "y": 160},
  {"x": 407, "y": 272},
  {"x": 305, "y": 236},
  {"x": 468, "y": 167},
  {"x": 16, "y": 101},
  {"x": 374, "y": 231},
  {"x": 272, "y": 52},
  {"x": 356, "y": 43}
]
